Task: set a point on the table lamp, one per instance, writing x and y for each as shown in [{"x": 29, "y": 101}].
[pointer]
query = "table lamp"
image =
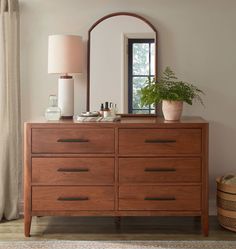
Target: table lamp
[{"x": 64, "y": 57}]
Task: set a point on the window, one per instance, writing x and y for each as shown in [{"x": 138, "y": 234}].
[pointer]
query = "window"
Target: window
[{"x": 141, "y": 66}]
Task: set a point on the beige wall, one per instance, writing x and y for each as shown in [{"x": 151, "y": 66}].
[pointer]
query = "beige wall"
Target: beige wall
[{"x": 196, "y": 38}]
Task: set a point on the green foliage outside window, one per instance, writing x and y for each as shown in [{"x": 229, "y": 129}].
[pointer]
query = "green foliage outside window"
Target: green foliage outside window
[{"x": 141, "y": 66}]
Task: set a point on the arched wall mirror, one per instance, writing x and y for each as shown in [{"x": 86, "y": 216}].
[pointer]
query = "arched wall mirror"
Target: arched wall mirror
[{"x": 122, "y": 55}]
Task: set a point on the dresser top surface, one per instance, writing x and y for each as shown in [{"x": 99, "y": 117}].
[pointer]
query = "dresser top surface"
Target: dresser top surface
[{"x": 150, "y": 121}]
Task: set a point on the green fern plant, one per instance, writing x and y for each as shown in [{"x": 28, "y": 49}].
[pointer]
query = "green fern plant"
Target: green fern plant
[{"x": 169, "y": 88}]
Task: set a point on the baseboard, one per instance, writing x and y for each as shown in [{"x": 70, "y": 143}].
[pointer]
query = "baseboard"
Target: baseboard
[
  {"x": 21, "y": 207},
  {"x": 212, "y": 207}
]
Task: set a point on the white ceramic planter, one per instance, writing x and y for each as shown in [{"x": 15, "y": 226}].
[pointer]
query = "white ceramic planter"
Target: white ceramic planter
[{"x": 172, "y": 110}]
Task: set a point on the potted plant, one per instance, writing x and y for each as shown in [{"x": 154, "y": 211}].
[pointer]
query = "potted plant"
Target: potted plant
[{"x": 171, "y": 92}]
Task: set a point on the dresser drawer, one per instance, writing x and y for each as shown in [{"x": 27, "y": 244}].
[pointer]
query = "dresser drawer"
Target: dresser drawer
[
  {"x": 160, "y": 198},
  {"x": 73, "y": 140},
  {"x": 154, "y": 170},
  {"x": 159, "y": 141},
  {"x": 72, "y": 198},
  {"x": 72, "y": 171}
]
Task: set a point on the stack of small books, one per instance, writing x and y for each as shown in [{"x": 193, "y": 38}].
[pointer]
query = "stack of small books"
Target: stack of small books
[{"x": 96, "y": 119}]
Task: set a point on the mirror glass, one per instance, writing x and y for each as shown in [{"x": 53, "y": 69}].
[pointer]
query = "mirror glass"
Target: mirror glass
[{"x": 122, "y": 57}]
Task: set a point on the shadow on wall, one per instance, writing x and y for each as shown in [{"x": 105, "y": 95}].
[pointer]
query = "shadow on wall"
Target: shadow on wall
[
  {"x": 222, "y": 144},
  {"x": 219, "y": 111}
]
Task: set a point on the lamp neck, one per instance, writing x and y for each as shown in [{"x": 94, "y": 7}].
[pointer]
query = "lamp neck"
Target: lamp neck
[{"x": 66, "y": 76}]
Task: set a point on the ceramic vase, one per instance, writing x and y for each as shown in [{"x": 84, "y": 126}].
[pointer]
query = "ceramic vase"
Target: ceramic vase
[{"x": 172, "y": 110}]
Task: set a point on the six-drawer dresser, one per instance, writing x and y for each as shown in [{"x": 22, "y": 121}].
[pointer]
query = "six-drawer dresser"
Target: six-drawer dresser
[{"x": 134, "y": 167}]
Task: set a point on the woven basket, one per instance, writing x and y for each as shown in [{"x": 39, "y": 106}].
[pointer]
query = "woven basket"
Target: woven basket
[{"x": 226, "y": 205}]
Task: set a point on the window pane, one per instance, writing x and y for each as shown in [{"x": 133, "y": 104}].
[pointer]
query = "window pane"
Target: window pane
[
  {"x": 138, "y": 83},
  {"x": 141, "y": 67},
  {"x": 140, "y": 59},
  {"x": 153, "y": 111},
  {"x": 141, "y": 111},
  {"x": 152, "y": 59}
]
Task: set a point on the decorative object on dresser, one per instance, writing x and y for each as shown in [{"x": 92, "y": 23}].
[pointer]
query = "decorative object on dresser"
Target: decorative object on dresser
[
  {"x": 53, "y": 112},
  {"x": 134, "y": 167},
  {"x": 171, "y": 92},
  {"x": 64, "y": 56}
]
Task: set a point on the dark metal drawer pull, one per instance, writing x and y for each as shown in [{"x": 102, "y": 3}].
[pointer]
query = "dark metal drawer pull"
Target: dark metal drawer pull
[
  {"x": 71, "y": 140},
  {"x": 160, "y": 198},
  {"x": 160, "y": 170},
  {"x": 73, "y": 199},
  {"x": 73, "y": 170},
  {"x": 159, "y": 141}
]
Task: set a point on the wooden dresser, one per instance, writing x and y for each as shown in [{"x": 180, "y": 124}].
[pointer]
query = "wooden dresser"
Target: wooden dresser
[{"x": 135, "y": 167}]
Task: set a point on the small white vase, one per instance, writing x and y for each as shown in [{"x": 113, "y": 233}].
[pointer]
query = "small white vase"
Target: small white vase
[{"x": 172, "y": 110}]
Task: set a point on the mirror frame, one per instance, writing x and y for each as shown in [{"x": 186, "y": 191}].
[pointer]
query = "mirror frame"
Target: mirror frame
[{"x": 88, "y": 53}]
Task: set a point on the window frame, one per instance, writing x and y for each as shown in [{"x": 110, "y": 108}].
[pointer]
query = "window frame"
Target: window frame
[{"x": 132, "y": 41}]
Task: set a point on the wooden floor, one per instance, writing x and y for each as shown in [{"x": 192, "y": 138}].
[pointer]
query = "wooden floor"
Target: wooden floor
[{"x": 100, "y": 228}]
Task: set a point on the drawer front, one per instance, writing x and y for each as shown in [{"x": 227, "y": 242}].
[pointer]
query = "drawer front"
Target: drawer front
[
  {"x": 72, "y": 198},
  {"x": 163, "y": 141},
  {"x": 184, "y": 198},
  {"x": 154, "y": 170},
  {"x": 73, "y": 140},
  {"x": 73, "y": 171}
]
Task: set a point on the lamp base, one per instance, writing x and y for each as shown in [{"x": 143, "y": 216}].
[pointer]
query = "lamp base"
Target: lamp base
[{"x": 66, "y": 96}]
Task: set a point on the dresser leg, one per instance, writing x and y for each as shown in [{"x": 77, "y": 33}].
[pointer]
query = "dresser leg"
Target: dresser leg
[
  {"x": 205, "y": 225},
  {"x": 27, "y": 224},
  {"x": 117, "y": 221}
]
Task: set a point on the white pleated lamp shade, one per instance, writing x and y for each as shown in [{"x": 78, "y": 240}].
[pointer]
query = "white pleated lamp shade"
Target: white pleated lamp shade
[{"x": 64, "y": 54}]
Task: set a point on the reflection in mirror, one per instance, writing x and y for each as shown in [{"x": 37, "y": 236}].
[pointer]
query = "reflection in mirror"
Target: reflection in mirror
[
  {"x": 141, "y": 68},
  {"x": 121, "y": 58}
]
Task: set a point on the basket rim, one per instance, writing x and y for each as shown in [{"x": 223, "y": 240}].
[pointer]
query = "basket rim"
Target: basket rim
[{"x": 225, "y": 184}]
